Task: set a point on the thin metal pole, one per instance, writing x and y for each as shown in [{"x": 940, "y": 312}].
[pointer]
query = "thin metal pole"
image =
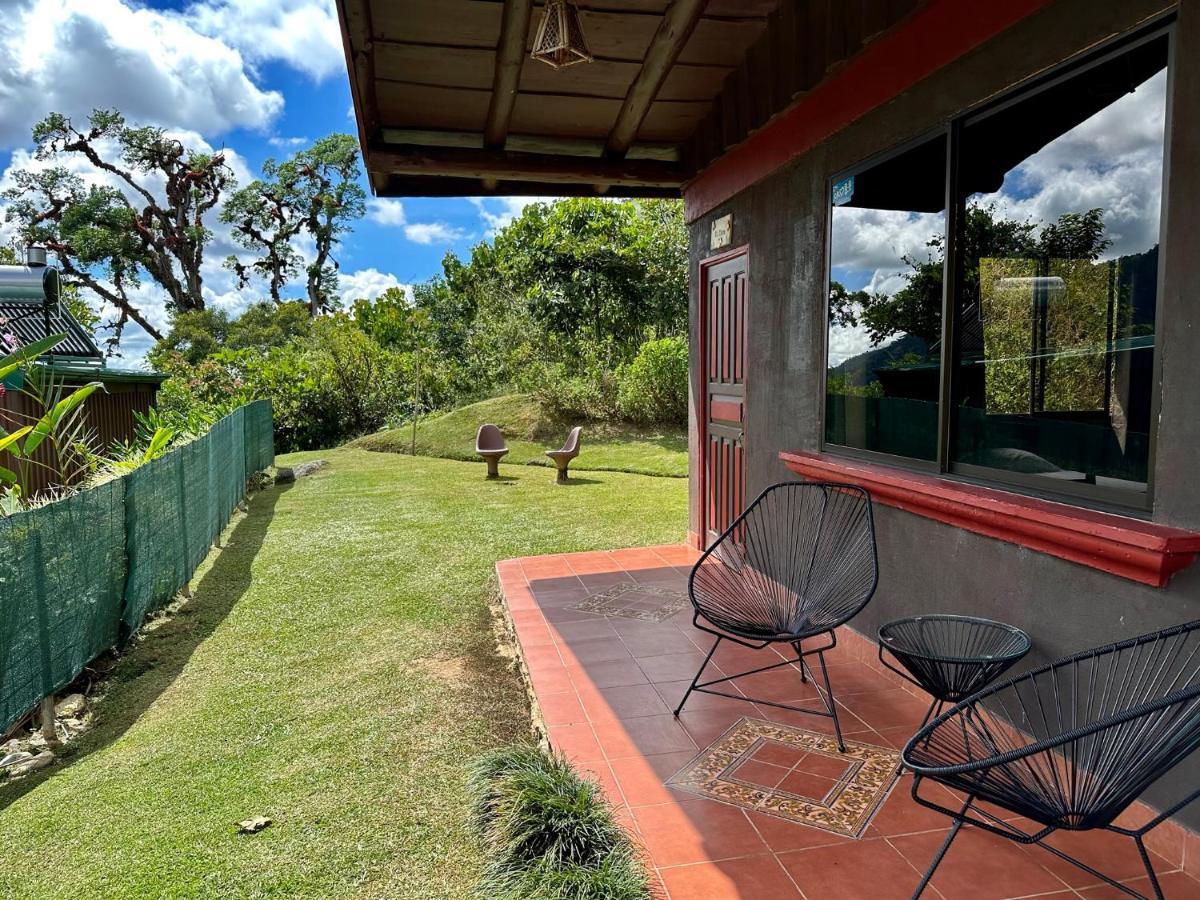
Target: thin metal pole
[
  {"x": 937, "y": 860},
  {"x": 692, "y": 686}
]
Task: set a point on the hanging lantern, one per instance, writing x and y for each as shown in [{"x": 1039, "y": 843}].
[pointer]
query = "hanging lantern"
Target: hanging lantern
[{"x": 560, "y": 41}]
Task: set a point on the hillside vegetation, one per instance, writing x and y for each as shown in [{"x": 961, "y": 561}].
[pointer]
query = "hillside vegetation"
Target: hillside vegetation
[{"x": 611, "y": 447}]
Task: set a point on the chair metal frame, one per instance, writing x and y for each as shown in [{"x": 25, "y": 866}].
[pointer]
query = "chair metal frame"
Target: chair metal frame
[
  {"x": 971, "y": 814},
  {"x": 753, "y": 641}
]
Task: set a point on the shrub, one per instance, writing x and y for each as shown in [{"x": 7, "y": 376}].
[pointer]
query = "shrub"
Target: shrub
[
  {"x": 336, "y": 384},
  {"x": 562, "y": 396},
  {"x": 328, "y": 385},
  {"x": 549, "y": 834},
  {"x": 654, "y": 387}
]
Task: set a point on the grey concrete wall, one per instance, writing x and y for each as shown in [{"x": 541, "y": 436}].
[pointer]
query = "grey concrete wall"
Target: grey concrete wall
[{"x": 927, "y": 566}]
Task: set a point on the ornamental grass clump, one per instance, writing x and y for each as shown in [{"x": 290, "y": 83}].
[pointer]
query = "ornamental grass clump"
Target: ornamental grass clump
[{"x": 549, "y": 834}]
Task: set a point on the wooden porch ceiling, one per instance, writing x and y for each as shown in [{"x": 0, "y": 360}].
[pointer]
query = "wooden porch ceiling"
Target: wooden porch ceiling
[{"x": 449, "y": 103}]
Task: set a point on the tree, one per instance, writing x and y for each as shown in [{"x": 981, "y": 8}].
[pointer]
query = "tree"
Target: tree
[
  {"x": 609, "y": 270},
  {"x": 916, "y": 309},
  {"x": 390, "y": 319},
  {"x": 315, "y": 192},
  {"x": 149, "y": 223},
  {"x": 202, "y": 333}
]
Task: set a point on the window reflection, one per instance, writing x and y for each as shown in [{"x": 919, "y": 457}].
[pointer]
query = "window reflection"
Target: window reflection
[
  {"x": 885, "y": 321},
  {"x": 1059, "y": 278}
]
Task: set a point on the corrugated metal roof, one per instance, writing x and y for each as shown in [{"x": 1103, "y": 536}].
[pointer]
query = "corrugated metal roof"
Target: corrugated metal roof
[
  {"x": 26, "y": 321},
  {"x": 107, "y": 374}
]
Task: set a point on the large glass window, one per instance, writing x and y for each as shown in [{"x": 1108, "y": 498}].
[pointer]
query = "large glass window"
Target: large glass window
[
  {"x": 1061, "y": 194},
  {"x": 885, "y": 304},
  {"x": 1057, "y": 197}
]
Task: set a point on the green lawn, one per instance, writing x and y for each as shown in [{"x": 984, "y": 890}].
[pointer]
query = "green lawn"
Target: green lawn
[
  {"x": 335, "y": 671},
  {"x": 605, "y": 447}
]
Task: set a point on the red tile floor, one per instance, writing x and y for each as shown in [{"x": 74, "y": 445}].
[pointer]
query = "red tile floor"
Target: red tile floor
[{"x": 608, "y": 644}]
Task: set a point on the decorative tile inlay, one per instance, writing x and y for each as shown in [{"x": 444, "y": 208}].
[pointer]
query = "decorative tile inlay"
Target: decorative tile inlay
[
  {"x": 793, "y": 774},
  {"x": 649, "y": 602}
]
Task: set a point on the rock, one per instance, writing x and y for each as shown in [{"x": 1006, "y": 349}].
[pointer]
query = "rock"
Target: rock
[
  {"x": 70, "y": 706},
  {"x": 289, "y": 474},
  {"x": 254, "y": 825},
  {"x": 12, "y": 759},
  {"x": 35, "y": 764}
]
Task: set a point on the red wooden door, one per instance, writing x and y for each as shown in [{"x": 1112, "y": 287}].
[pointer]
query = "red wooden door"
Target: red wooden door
[{"x": 724, "y": 331}]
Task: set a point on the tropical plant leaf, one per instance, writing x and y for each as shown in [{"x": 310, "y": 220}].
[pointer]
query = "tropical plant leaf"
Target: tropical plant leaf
[
  {"x": 62, "y": 410},
  {"x": 27, "y": 354},
  {"x": 7, "y": 476},
  {"x": 8, "y": 440},
  {"x": 158, "y": 443}
]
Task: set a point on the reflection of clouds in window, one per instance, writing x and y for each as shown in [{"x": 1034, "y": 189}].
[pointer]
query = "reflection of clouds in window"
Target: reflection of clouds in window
[
  {"x": 867, "y": 251},
  {"x": 1112, "y": 160},
  {"x": 888, "y": 283},
  {"x": 872, "y": 239},
  {"x": 868, "y": 247},
  {"x": 847, "y": 342}
]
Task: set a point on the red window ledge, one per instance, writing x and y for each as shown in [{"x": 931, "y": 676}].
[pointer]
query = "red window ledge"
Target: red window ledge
[{"x": 1131, "y": 548}]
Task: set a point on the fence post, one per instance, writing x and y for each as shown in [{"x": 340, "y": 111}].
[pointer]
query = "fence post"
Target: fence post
[{"x": 46, "y": 714}]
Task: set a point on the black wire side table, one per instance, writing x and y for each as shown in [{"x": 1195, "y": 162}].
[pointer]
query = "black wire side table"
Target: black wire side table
[{"x": 951, "y": 657}]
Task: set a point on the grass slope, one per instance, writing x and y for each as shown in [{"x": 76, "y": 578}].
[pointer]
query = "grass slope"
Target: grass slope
[
  {"x": 604, "y": 448},
  {"x": 335, "y": 671}
]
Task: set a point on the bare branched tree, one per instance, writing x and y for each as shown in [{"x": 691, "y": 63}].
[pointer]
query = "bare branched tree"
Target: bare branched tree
[
  {"x": 316, "y": 192},
  {"x": 109, "y": 237}
]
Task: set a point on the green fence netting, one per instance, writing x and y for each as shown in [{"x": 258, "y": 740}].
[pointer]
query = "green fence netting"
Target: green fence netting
[
  {"x": 62, "y": 575},
  {"x": 260, "y": 447},
  {"x": 78, "y": 576}
]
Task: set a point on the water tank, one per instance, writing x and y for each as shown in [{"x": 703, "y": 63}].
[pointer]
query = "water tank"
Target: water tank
[{"x": 33, "y": 281}]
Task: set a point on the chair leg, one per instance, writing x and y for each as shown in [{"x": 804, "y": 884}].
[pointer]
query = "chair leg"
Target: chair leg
[
  {"x": 1137, "y": 838},
  {"x": 827, "y": 698},
  {"x": 696, "y": 680},
  {"x": 800, "y": 654},
  {"x": 937, "y": 860}
]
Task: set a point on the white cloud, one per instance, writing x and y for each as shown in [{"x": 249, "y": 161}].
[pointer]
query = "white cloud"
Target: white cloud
[
  {"x": 302, "y": 33},
  {"x": 847, "y": 342},
  {"x": 875, "y": 239},
  {"x": 75, "y": 55},
  {"x": 497, "y": 212},
  {"x": 433, "y": 232},
  {"x": 386, "y": 211},
  {"x": 368, "y": 284},
  {"x": 390, "y": 213},
  {"x": 287, "y": 143}
]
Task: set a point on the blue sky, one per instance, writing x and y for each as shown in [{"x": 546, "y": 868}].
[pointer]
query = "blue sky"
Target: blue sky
[{"x": 257, "y": 77}]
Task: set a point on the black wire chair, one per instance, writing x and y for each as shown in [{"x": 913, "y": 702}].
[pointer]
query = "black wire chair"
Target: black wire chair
[
  {"x": 799, "y": 562},
  {"x": 1069, "y": 746}
]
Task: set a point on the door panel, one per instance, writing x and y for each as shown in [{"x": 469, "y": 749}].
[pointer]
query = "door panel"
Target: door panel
[{"x": 725, "y": 291}]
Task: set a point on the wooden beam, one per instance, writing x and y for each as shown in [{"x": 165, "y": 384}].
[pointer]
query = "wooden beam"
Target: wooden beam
[
  {"x": 450, "y": 186},
  {"x": 354, "y": 16},
  {"x": 678, "y": 23},
  {"x": 525, "y": 143},
  {"x": 502, "y": 165},
  {"x": 510, "y": 56}
]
